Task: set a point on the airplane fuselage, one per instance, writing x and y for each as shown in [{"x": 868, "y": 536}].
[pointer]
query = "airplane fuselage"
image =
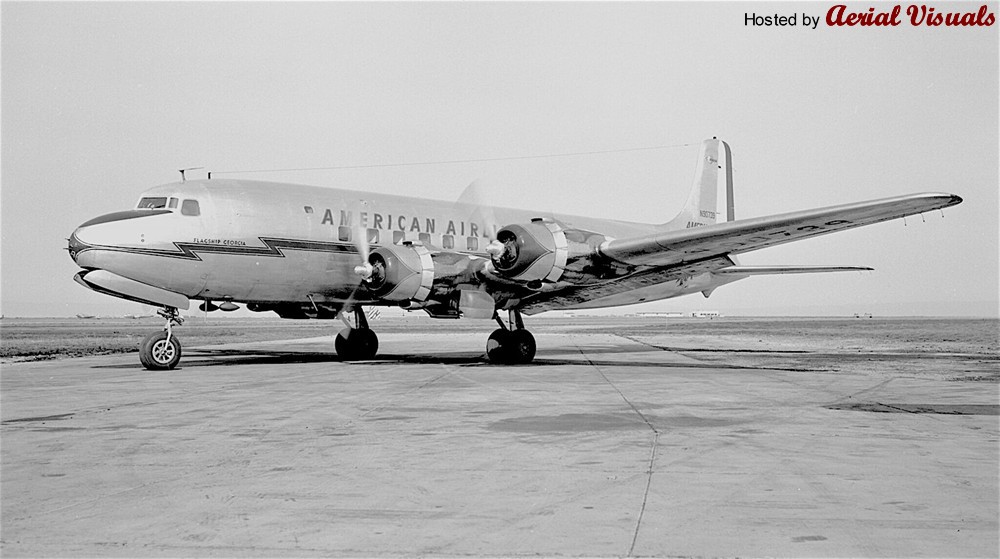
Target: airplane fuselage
[{"x": 261, "y": 242}]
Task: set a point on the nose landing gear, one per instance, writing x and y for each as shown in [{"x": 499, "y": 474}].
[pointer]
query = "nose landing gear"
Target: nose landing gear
[
  {"x": 511, "y": 345},
  {"x": 161, "y": 351}
]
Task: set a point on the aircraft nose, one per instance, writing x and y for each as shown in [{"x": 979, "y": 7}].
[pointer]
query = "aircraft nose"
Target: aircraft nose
[
  {"x": 108, "y": 232},
  {"x": 99, "y": 231},
  {"x": 76, "y": 246},
  {"x": 81, "y": 243}
]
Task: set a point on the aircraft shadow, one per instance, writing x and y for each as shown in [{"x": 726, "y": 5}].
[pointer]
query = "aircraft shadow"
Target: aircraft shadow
[{"x": 233, "y": 357}]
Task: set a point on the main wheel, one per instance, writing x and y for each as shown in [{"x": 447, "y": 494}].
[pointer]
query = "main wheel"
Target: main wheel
[
  {"x": 157, "y": 354},
  {"x": 498, "y": 346},
  {"x": 522, "y": 346},
  {"x": 356, "y": 344}
]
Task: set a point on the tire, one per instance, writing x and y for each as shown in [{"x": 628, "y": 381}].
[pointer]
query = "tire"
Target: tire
[
  {"x": 498, "y": 347},
  {"x": 156, "y": 354},
  {"x": 522, "y": 347},
  {"x": 368, "y": 345},
  {"x": 356, "y": 344}
]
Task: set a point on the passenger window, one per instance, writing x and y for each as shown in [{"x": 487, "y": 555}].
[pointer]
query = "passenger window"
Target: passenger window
[
  {"x": 425, "y": 238},
  {"x": 308, "y": 209},
  {"x": 447, "y": 241},
  {"x": 373, "y": 235},
  {"x": 156, "y": 202},
  {"x": 398, "y": 237},
  {"x": 473, "y": 243},
  {"x": 190, "y": 207},
  {"x": 344, "y": 234},
  {"x": 172, "y": 204}
]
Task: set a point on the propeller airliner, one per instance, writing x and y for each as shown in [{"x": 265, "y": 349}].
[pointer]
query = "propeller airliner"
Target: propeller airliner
[{"x": 307, "y": 252}]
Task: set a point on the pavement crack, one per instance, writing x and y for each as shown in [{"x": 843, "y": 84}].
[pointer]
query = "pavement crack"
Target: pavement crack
[
  {"x": 385, "y": 405},
  {"x": 652, "y": 451}
]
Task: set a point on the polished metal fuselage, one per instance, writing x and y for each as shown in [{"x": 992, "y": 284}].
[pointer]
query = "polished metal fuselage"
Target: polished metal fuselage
[{"x": 279, "y": 243}]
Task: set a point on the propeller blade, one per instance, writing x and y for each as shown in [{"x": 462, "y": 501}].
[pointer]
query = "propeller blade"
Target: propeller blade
[
  {"x": 475, "y": 196},
  {"x": 483, "y": 213},
  {"x": 363, "y": 244},
  {"x": 348, "y": 309}
]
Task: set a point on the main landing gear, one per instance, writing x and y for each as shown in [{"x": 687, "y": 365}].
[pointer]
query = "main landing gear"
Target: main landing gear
[
  {"x": 507, "y": 345},
  {"x": 357, "y": 342},
  {"x": 162, "y": 350},
  {"x": 511, "y": 345}
]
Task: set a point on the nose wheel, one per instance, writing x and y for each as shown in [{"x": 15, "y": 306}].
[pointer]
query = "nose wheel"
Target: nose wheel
[
  {"x": 161, "y": 351},
  {"x": 511, "y": 345}
]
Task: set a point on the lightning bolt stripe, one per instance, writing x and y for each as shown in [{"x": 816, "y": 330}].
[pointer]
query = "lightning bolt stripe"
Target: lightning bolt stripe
[{"x": 273, "y": 248}]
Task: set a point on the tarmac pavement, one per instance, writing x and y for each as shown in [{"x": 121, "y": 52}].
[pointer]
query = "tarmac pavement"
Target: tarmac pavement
[{"x": 602, "y": 447}]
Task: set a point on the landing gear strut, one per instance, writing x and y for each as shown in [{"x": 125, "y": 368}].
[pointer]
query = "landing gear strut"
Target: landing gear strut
[
  {"x": 162, "y": 350},
  {"x": 356, "y": 343},
  {"x": 511, "y": 345}
]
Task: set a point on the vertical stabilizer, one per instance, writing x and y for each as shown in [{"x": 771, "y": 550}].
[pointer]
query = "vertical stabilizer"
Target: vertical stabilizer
[{"x": 702, "y": 207}]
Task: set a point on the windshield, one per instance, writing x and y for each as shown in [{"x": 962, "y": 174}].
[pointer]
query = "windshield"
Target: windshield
[
  {"x": 153, "y": 202},
  {"x": 188, "y": 207}
]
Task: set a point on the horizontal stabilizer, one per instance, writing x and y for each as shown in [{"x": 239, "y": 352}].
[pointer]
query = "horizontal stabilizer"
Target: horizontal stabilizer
[{"x": 765, "y": 270}]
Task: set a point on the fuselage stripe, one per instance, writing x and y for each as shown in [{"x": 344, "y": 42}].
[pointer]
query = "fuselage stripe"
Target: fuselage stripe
[{"x": 272, "y": 249}]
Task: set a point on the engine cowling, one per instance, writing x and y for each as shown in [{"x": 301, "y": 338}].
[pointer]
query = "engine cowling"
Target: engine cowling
[
  {"x": 401, "y": 273},
  {"x": 535, "y": 251}
]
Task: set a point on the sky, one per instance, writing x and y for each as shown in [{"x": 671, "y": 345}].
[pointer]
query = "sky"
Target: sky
[{"x": 101, "y": 101}]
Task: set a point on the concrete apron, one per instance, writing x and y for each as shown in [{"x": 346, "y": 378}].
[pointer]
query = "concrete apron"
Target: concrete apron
[{"x": 603, "y": 447}]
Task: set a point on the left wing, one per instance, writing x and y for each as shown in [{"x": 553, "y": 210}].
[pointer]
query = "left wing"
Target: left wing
[
  {"x": 669, "y": 248},
  {"x": 672, "y": 263}
]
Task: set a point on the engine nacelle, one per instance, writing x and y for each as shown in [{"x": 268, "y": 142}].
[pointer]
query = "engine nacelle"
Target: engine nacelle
[
  {"x": 401, "y": 273},
  {"x": 536, "y": 251}
]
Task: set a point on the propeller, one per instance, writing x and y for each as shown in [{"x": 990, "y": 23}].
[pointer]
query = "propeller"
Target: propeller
[
  {"x": 483, "y": 213},
  {"x": 364, "y": 269},
  {"x": 360, "y": 237}
]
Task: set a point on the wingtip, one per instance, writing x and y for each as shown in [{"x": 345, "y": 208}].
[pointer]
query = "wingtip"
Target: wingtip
[
  {"x": 944, "y": 199},
  {"x": 951, "y": 199}
]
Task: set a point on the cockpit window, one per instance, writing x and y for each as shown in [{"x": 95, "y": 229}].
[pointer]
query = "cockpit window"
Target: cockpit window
[
  {"x": 153, "y": 202},
  {"x": 172, "y": 204},
  {"x": 190, "y": 207}
]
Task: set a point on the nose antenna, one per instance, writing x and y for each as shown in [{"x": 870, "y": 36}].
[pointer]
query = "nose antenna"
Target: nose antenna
[{"x": 183, "y": 178}]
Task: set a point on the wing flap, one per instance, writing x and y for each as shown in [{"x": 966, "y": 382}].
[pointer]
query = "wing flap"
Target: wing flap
[
  {"x": 673, "y": 247},
  {"x": 582, "y": 296}
]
